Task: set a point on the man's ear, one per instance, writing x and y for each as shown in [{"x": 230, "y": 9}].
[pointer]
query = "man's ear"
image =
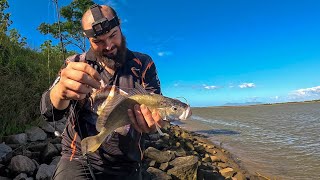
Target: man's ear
[{"x": 119, "y": 20}]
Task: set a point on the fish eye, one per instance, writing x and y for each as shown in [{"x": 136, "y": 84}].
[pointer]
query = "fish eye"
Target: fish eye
[{"x": 174, "y": 108}]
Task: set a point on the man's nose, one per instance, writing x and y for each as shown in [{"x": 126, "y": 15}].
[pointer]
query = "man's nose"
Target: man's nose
[{"x": 108, "y": 44}]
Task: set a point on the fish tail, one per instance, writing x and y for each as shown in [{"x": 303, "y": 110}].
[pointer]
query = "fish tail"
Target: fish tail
[{"x": 92, "y": 143}]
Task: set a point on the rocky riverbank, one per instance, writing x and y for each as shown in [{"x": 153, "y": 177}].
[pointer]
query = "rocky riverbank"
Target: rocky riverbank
[{"x": 178, "y": 154}]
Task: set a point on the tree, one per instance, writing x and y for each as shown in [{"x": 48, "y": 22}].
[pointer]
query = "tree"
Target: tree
[
  {"x": 69, "y": 30},
  {"x": 4, "y": 17}
]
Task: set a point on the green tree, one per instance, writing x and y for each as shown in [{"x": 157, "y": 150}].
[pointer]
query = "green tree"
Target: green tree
[
  {"x": 4, "y": 17},
  {"x": 70, "y": 28}
]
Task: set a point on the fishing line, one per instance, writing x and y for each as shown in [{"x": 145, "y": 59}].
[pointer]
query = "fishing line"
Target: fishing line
[{"x": 184, "y": 99}]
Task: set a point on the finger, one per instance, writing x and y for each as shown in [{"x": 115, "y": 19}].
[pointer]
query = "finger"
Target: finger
[
  {"x": 133, "y": 121},
  {"x": 84, "y": 67},
  {"x": 141, "y": 119},
  {"x": 69, "y": 94},
  {"x": 81, "y": 77},
  {"x": 157, "y": 118},
  {"x": 148, "y": 119}
]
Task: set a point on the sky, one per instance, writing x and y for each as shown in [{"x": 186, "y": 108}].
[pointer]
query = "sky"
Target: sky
[{"x": 212, "y": 52}]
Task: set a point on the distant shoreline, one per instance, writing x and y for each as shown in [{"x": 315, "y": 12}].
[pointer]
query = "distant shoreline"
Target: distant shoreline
[{"x": 264, "y": 104}]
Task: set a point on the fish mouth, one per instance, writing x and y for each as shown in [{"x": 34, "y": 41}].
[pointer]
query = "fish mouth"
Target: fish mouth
[{"x": 185, "y": 114}]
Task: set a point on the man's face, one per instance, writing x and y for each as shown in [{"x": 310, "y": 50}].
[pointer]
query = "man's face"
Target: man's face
[{"x": 111, "y": 45}]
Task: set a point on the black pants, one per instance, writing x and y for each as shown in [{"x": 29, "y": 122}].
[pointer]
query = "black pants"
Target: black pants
[{"x": 79, "y": 170}]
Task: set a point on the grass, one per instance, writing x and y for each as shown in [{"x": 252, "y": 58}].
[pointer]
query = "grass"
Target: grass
[{"x": 23, "y": 79}]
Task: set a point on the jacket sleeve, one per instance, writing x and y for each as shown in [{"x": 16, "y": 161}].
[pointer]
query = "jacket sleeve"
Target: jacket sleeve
[{"x": 46, "y": 108}]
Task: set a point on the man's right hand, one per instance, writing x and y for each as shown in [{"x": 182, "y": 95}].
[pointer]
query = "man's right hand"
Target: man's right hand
[{"x": 76, "y": 81}]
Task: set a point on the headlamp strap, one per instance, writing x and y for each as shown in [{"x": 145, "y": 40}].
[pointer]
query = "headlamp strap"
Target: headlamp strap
[
  {"x": 96, "y": 12},
  {"x": 101, "y": 25}
]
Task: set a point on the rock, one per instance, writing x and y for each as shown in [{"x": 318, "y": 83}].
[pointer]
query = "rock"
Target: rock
[
  {"x": 47, "y": 127},
  {"x": 157, "y": 174},
  {"x": 58, "y": 147},
  {"x": 200, "y": 149},
  {"x": 152, "y": 163},
  {"x": 159, "y": 156},
  {"x": 209, "y": 174},
  {"x": 180, "y": 152},
  {"x": 215, "y": 159},
  {"x": 206, "y": 159},
  {"x": 154, "y": 137},
  {"x": 22, "y": 164},
  {"x": 227, "y": 172},
  {"x": 164, "y": 166},
  {"x": 211, "y": 151},
  {"x": 5, "y": 152},
  {"x": 190, "y": 146},
  {"x": 56, "y": 140},
  {"x": 2, "y": 169},
  {"x": 45, "y": 172},
  {"x": 35, "y": 134},
  {"x": 222, "y": 165},
  {"x": 17, "y": 139},
  {"x": 240, "y": 176},
  {"x": 37, "y": 146},
  {"x": 4, "y": 178},
  {"x": 55, "y": 160},
  {"x": 21, "y": 176},
  {"x": 184, "y": 167},
  {"x": 49, "y": 152}
]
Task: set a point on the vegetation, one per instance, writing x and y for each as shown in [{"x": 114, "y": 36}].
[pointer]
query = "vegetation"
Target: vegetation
[{"x": 26, "y": 73}]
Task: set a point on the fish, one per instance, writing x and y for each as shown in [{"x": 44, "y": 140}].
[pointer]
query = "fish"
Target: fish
[{"x": 113, "y": 108}]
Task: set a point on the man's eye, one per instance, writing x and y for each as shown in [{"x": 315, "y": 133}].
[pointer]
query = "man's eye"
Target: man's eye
[{"x": 97, "y": 42}]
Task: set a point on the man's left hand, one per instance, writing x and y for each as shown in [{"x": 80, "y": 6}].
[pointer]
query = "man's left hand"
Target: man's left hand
[{"x": 143, "y": 120}]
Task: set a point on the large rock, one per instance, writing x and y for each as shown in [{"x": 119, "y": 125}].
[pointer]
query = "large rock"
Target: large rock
[
  {"x": 22, "y": 164},
  {"x": 209, "y": 174},
  {"x": 5, "y": 152},
  {"x": 159, "y": 156},
  {"x": 21, "y": 176},
  {"x": 55, "y": 160},
  {"x": 184, "y": 167},
  {"x": 47, "y": 127},
  {"x": 45, "y": 172},
  {"x": 49, "y": 152},
  {"x": 17, "y": 139},
  {"x": 157, "y": 174},
  {"x": 35, "y": 134},
  {"x": 4, "y": 178},
  {"x": 227, "y": 172}
]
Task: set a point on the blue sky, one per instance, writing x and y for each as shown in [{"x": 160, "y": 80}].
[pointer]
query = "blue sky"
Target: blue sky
[{"x": 213, "y": 52}]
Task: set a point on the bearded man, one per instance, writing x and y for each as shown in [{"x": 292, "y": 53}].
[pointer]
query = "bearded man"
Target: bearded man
[{"x": 107, "y": 62}]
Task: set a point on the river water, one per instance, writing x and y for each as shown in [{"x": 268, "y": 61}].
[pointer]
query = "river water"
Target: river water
[{"x": 278, "y": 141}]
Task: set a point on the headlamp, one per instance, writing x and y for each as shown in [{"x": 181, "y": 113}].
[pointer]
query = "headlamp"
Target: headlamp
[{"x": 101, "y": 24}]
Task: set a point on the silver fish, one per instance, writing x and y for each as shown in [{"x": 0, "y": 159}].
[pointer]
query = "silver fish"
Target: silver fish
[{"x": 113, "y": 111}]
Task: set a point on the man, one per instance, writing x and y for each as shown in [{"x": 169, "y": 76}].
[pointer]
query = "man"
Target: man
[{"x": 108, "y": 62}]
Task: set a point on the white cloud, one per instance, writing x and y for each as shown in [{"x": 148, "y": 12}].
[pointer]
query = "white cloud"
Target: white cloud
[
  {"x": 210, "y": 87},
  {"x": 247, "y": 85},
  {"x": 313, "y": 91},
  {"x": 164, "y": 53}
]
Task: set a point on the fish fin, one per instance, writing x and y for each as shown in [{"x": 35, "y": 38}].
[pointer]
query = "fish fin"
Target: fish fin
[
  {"x": 115, "y": 97},
  {"x": 92, "y": 143},
  {"x": 159, "y": 130},
  {"x": 137, "y": 90}
]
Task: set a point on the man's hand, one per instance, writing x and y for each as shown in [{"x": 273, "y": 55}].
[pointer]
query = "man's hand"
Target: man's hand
[
  {"x": 143, "y": 120},
  {"x": 76, "y": 81}
]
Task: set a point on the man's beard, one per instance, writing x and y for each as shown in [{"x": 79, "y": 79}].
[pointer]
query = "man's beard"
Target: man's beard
[{"x": 117, "y": 60}]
